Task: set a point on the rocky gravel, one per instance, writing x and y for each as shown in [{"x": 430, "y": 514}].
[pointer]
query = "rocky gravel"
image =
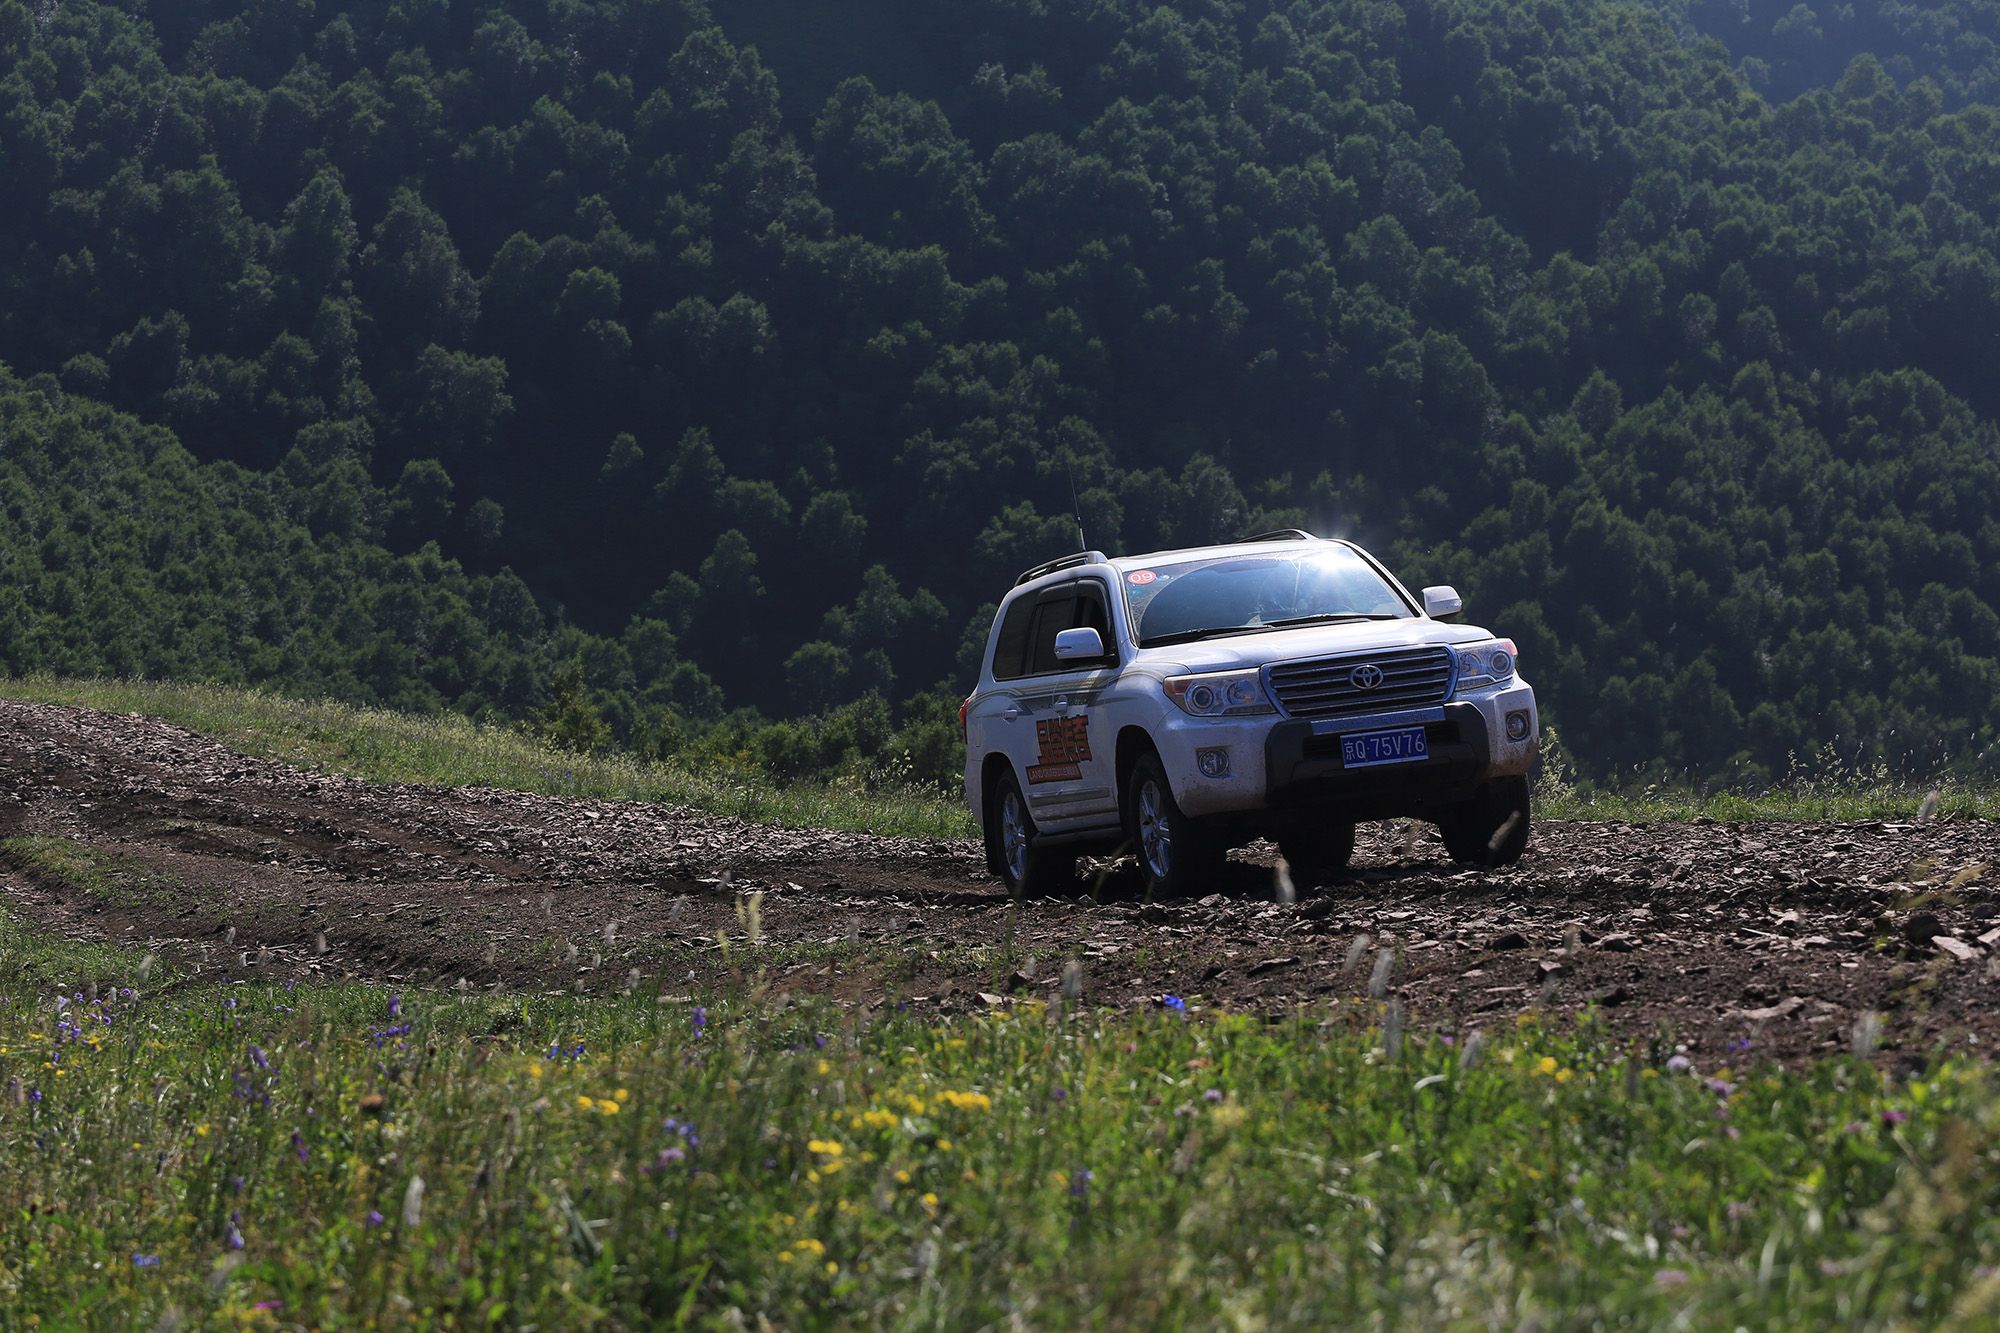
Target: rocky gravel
[{"x": 1707, "y": 935}]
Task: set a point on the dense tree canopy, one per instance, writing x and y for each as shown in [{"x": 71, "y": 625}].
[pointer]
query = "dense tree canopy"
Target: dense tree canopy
[{"x": 1661, "y": 327}]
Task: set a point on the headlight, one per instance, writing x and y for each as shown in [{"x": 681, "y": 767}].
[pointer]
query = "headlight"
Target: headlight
[
  {"x": 1483, "y": 666},
  {"x": 1225, "y": 694}
]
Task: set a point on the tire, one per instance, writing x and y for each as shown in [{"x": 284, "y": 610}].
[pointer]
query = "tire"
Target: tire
[
  {"x": 1321, "y": 851},
  {"x": 1027, "y": 869},
  {"x": 1177, "y": 857},
  {"x": 1491, "y": 828}
]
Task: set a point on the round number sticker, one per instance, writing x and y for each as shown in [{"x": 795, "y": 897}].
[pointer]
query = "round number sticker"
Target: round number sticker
[{"x": 1141, "y": 577}]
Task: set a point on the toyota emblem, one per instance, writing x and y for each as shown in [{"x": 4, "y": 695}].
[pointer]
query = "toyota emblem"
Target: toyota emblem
[{"x": 1366, "y": 676}]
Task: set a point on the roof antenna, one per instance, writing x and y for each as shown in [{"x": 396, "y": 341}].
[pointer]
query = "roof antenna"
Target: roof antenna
[{"x": 1075, "y": 505}]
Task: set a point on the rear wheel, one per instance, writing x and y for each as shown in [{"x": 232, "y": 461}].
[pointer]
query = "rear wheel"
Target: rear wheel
[
  {"x": 1491, "y": 828},
  {"x": 1320, "y": 851},
  {"x": 1028, "y": 869},
  {"x": 1177, "y": 857}
]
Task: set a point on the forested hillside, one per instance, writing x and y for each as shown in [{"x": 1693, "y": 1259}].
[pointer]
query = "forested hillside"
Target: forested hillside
[{"x": 761, "y": 349}]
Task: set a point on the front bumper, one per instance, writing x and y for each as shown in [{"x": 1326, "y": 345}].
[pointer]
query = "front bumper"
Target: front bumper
[{"x": 1295, "y": 763}]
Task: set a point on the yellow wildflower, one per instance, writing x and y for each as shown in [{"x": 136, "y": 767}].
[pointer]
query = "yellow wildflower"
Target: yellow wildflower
[
  {"x": 1228, "y": 1115},
  {"x": 534, "y": 1069},
  {"x": 810, "y": 1245},
  {"x": 1564, "y": 1075},
  {"x": 825, "y": 1147},
  {"x": 583, "y": 1102},
  {"x": 784, "y": 1256},
  {"x": 968, "y": 1101},
  {"x": 880, "y": 1119},
  {"x": 1547, "y": 1065},
  {"x": 622, "y": 1096},
  {"x": 902, "y": 1177},
  {"x": 606, "y": 1106},
  {"x": 930, "y": 1201},
  {"x": 201, "y": 1130},
  {"x": 832, "y": 1268},
  {"x": 825, "y": 1068}
]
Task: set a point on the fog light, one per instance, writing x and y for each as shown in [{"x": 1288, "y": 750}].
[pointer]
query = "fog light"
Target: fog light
[
  {"x": 1213, "y": 763},
  {"x": 1517, "y": 726}
]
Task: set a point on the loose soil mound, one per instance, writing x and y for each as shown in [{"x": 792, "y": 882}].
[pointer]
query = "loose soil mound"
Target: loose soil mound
[{"x": 1780, "y": 935}]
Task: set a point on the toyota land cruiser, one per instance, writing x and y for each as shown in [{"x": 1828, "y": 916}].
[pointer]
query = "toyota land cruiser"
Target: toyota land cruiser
[{"x": 1284, "y": 686}]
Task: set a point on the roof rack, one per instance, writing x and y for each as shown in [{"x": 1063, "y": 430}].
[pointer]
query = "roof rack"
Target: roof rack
[
  {"x": 1062, "y": 562},
  {"x": 1281, "y": 535}
]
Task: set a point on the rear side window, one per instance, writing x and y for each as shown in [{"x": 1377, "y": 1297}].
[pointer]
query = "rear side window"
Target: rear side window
[{"x": 1010, "y": 657}]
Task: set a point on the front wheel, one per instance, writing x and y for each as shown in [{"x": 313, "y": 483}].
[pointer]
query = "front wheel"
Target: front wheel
[
  {"x": 1490, "y": 828},
  {"x": 1026, "y": 868},
  {"x": 1177, "y": 857},
  {"x": 1320, "y": 851}
]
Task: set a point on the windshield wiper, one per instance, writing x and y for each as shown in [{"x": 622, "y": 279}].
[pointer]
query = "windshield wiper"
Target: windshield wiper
[
  {"x": 1331, "y": 618},
  {"x": 1190, "y": 635}
]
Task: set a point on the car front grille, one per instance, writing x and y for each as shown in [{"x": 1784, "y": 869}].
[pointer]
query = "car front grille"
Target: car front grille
[{"x": 1325, "y": 687}]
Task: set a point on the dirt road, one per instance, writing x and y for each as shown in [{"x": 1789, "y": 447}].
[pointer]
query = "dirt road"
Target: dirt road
[{"x": 1776, "y": 934}]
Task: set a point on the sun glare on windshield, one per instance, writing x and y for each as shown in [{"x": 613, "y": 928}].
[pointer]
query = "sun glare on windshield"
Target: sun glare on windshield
[{"x": 1242, "y": 593}]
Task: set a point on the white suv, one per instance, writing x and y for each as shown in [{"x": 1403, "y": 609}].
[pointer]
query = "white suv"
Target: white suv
[{"x": 1285, "y": 686}]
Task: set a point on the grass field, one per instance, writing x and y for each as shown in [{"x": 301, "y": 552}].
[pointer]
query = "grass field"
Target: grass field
[
  {"x": 382, "y": 746},
  {"x": 177, "y": 1153},
  {"x": 175, "y": 1156}
]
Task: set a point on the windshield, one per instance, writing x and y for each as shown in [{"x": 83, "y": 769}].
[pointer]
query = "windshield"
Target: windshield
[{"x": 1240, "y": 594}]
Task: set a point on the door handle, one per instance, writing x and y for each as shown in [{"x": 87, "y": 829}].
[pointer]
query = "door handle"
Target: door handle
[
  {"x": 1062, "y": 701},
  {"x": 1011, "y": 714}
]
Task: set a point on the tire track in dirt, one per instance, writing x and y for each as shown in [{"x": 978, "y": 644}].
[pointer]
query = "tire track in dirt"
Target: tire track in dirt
[{"x": 1774, "y": 934}]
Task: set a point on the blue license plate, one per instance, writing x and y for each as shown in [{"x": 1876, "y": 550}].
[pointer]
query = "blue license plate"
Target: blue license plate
[{"x": 1405, "y": 745}]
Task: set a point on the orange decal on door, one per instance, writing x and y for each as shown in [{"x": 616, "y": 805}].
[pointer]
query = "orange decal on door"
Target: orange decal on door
[{"x": 1065, "y": 743}]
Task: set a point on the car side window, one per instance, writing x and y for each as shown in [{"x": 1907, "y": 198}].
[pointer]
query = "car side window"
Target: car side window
[
  {"x": 1055, "y": 612},
  {"x": 1093, "y": 612},
  {"x": 1010, "y": 656}
]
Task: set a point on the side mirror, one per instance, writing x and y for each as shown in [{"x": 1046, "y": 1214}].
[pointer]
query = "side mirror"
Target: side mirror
[
  {"x": 1079, "y": 645},
  {"x": 1442, "y": 602}
]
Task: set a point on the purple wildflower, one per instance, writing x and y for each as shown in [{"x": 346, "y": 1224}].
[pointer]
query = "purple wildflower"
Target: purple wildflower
[
  {"x": 1678, "y": 1064},
  {"x": 1175, "y": 1003},
  {"x": 1061, "y": 1094},
  {"x": 699, "y": 1017},
  {"x": 298, "y": 1145},
  {"x": 395, "y": 1006},
  {"x": 374, "y": 1219},
  {"x": 1212, "y": 1095},
  {"x": 259, "y": 1058},
  {"x": 1079, "y": 1182},
  {"x": 1670, "y": 1277},
  {"x": 234, "y": 1236},
  {"x": 667, "y": 1157},
  {"x": 1893, "y": 1117},
  {"x": 145, "y": 1261}
]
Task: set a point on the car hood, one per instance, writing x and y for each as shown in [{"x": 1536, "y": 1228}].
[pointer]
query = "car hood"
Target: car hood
[{"x": 1307, "y": 641}]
